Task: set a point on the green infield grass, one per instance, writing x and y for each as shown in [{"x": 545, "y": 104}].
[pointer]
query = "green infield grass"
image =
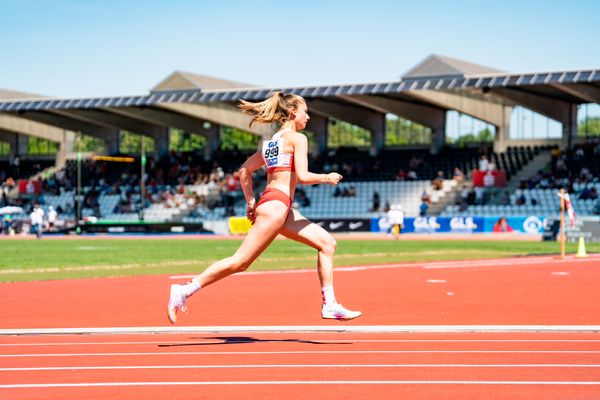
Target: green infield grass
[{"x": 25, "y": 260}]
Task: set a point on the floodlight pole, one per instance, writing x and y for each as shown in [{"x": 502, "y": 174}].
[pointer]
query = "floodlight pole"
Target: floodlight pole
[{"x": 142, "y": 184}]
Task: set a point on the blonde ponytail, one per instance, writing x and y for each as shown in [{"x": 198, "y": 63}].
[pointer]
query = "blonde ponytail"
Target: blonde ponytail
[{"x": 274, "y": 109}]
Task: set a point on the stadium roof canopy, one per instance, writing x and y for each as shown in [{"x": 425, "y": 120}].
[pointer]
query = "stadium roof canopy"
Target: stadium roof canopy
[
  {"x": 435, "y": 85},
  {"x": 434, "y": 73}
]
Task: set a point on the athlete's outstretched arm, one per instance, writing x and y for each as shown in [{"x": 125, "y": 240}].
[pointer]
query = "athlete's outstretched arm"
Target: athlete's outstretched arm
[{"x": 301, "y": 165}]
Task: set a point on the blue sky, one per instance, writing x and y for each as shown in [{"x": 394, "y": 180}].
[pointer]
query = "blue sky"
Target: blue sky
[{"x": 73, "y": 48}]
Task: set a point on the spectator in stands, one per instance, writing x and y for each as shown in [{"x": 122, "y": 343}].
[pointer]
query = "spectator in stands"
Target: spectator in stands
[
  {"x": 438, "y": 181},
  {"x": 483, "y": 163},
  {"x": 520, "y": 199},
  {"x": 52, "y": 216},
  {"x": 505, "y": 201},
  {"x": 425, "y": 197},
  {"x": 423, "y": 208},
  {"x": 458, "y": 175},
  {"x": 6, "y": 224},
  {"x": 411, "y": 175},
  {"x": 502, "y": 226},
  {"x": 273, "y": 214},
  {"x": 464, "y": 195},
  {"x": 351, "y": 191},
  {"x": 489, "y": 180},
  {"x": 479, "y": 195},
  {"x": 400, "y": 175},
  {"x": 376, "y": 202}
]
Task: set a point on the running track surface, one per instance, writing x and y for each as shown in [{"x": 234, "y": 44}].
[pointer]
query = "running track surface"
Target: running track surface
[{"x": 255, "y": 362}]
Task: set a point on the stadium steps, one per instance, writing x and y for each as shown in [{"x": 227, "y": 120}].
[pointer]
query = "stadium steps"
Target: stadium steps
[
  {"x": 450, "y": 197},
  {"x": 537, "y": 163}
]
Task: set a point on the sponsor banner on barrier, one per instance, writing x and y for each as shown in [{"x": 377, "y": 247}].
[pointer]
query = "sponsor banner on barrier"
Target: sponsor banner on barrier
[
  {"x": 344, "y": 225},
  {"x": 531, "y": 224},
  {"x": 586, "y": 227}
]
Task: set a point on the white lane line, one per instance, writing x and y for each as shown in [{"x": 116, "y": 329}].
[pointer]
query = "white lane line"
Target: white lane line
[
  {"x": 254, "y": 366},
  {"x": 480, "y": 263},
  {"x": 300, "y": 340},
  {"x": 303, "y": 329},
  {"x": 223, "y": 383},
  {"x": 220, "y": 353}
]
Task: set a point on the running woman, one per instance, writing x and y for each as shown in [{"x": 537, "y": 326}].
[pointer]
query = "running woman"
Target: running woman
[{"x": 286, "y": 159}]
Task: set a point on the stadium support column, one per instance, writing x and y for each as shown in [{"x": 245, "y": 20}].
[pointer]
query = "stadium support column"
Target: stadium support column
[
  {"x": 377, "y": 128},
  {"x": 212, "y": 133},
  {"x": 161, "y": 140},
  {"x": 438, "y": 135},
  {"x": 22, "y": 145},
  {"x": 503, "y": 130},
  {"x": 112, "y": 141},
  {"x": 569, "y": 124},
  {"x": 66, "y": 146},
  {"x": 318, "y": 125}
]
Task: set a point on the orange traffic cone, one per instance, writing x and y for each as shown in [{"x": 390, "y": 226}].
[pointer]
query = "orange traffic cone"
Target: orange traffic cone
[{"x": 581, "y": 248}]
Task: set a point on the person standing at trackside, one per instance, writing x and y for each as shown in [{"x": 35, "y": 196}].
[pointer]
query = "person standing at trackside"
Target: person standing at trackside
[
  {"x": 396, "y": 220},
  {"x": 52, "y": 216},
  {"x": 37, "y": 220},
  {"x": 286, "y": 158}
]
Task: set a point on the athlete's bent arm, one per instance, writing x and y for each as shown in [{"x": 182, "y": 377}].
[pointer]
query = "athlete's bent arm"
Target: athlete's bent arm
[{"x": 253, "y": 163}]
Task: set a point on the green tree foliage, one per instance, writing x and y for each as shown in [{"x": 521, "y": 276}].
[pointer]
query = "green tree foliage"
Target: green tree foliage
[
  {"x": 484, "y": 135},
  {"x": 342, "y": 133},
  {"x": 131, "y": 143},
  {"x": 589, "y": 127},
  {"x": 400, "y": 131},
  {"x": 90, "y": 144},
  {"x": 4, "y": 149},
  {"x": 232, "y": 138},
  {"x": 182, "y": 141},
  {"x": 37, "y": 146}
]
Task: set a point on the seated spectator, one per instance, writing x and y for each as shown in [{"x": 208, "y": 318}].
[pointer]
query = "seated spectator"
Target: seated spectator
[
  {"x": 423, "y": 209},
  {"x": 502, "y": 226},
  {"x": 438, "y": 181},
  {"x": 351, "y": 191},
  {"x": 376, "y": 202},
  {"x": 400, "y": 175},
  {"x": 483, "y": 163},
  {"x": 411, "y": 175},
  {"x": 458, "y": 175}
]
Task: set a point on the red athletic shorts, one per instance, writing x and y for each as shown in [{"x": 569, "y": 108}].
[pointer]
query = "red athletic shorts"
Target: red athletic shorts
[{"x": 275, "y": 194}]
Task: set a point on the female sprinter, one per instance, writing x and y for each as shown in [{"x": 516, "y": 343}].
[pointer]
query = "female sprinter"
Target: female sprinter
[{"x": 285, "y": 157}]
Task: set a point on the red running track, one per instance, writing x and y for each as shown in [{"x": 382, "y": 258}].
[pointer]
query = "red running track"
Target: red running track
[{"x": 532, "y": 291}]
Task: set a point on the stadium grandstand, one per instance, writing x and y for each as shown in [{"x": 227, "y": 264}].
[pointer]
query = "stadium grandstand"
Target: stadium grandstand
[{"x": 396, "y": 143}]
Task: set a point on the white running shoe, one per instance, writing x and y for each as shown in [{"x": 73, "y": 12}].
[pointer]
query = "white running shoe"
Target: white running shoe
[
  {"x": 337, "y": 311},
  {"x": 176, "y": 302}
]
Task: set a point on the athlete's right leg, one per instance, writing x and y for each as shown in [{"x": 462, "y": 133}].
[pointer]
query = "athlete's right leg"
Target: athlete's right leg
[
  {"x": 304, "y": 231},
  {"x": 270, "y": 217}
]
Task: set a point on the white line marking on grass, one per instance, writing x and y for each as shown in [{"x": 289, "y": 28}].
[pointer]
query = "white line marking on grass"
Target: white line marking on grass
[
  {"x": 304, "y": 329},
  {"x": 220, "y": 353},
  {"x": 267, "y": 366},
  {"x": 228, "y": 383}
]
